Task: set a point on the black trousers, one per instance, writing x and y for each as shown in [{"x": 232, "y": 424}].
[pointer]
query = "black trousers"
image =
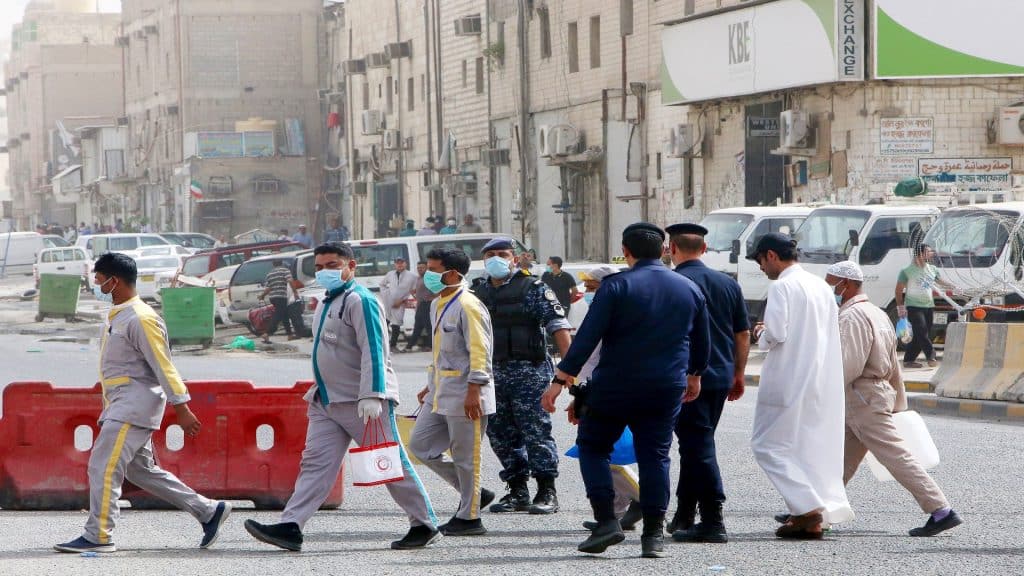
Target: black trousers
[
  {"x": 700, "y": 479},
  {"x": 921, "y": 321},
  {"x": 280, "y": 315},
  {"x": 421, "y": 328}
]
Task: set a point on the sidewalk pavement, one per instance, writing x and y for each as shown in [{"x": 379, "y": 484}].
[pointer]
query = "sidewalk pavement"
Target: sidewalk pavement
[{"x": 921, "y": 397}]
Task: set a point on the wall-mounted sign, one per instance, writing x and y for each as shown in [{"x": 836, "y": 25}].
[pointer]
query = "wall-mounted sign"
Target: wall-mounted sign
[
  {"x": 902, "y": 136},
  {"x": 968, "y": 173},
  {"x": 948, "y": 38},
  {"x": 761, "y": 48},
  {"x": 761, "y": 127},
  {"x": 893, "y": 168}
]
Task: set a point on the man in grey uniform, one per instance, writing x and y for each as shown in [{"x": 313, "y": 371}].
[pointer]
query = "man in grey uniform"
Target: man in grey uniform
[
  {"x": 137, "y": 379},
  {"x": 354, "y": 384},
  {"x": 460, "y": 392}
]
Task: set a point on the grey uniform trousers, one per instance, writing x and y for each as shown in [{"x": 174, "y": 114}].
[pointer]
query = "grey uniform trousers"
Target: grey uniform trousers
[
  {"x": 869, "y": 426},
  {"x": 433, "y": 435},
  {"x": 121, "y": 452},
  {"x": 331, "y": 430}
]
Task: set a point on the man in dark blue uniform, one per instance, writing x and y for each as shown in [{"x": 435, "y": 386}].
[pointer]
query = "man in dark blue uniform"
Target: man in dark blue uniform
[
  {"x": 521, "y": 309},
  {"x": 700, "y": 481},
  {"x": 653, "y": 326}
]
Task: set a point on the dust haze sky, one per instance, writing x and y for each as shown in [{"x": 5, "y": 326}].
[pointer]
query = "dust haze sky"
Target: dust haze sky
[{"x": 11, "y": 12}]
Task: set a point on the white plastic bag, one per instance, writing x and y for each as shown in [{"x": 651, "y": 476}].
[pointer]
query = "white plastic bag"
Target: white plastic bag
[
  {"x": 376, "y": 461},
  {"x": 912, "y": 429}
]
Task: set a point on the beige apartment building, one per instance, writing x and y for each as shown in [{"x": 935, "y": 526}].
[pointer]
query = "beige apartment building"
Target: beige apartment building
[
  {"x": 224, "y": 114},
  {"x": 63, "y": 72}
]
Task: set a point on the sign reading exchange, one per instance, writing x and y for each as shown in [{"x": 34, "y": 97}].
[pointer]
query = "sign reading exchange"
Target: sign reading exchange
[{"x": 761, "y": 48}]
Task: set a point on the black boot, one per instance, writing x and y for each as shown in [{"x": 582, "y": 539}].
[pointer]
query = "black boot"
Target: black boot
[
  {"x": 634, "y": 514},
  {"x": 417, "y": 537},
  {"x": 546, "y": 501},
  {"x": 517, "y": 499},
  {"x": 652, "y": 540},
  {"x": 711, "y": 528},
  {"x": 686, "y": 512},
  {"x": 607, "y": 531},
  {"x": 286, "y": 535}
]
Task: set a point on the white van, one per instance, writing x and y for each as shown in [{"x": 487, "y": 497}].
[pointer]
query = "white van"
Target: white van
[
  {"x": 732, "y": 233},
  {"x": 18, "y": 252},
  {"x": 980, "y": 250},
  {"x": 100, "y": 244},
  {"x": 70, "y": 261},
  {"x": 879, "y": 237},
  {"x": 374, "y": 258}
]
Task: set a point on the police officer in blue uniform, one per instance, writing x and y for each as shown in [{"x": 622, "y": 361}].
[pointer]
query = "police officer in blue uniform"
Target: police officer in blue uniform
[
  {"x": 653, "y": 326},
  {"x": 700, "y": 481},
  {"x": 522, "y": 308}
]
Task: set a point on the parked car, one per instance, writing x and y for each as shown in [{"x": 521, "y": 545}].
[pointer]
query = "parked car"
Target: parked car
[
  {"x": 151, "y": 268},
  {"x": 55, "y": 241},
  {"x": 205, "y": 261},
  {"x": 18, "y": 251},
  {"x": 169, "y": 250},
  {"x": 192, "y": 240},
  {"x": 99, "y": 244},
  {"x": 247, "y": 283},
  {"x": 70, "y": 261}
]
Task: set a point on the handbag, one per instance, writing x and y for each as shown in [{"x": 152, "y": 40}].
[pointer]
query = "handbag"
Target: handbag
[
  {"x": 911, "y": 428},
  {"x": 376, "y": 461}
]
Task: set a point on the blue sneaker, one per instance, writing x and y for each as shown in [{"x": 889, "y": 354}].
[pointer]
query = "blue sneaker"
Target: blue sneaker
[
  {"x": 80, "y": 544},
  {"x": 211, "y": 529}
]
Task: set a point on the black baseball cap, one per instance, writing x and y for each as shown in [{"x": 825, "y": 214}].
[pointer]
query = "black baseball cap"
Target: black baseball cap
[
  {"x": 773, "y": 241},
  {"x": 686, "y": 228}
]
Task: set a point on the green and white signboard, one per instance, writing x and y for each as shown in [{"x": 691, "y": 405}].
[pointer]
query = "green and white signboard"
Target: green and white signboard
[
  {"x": 762, "y": 48},
  {"x": 948, "y": 38}
]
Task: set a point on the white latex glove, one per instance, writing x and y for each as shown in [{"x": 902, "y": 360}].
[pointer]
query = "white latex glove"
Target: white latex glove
[{"x": 369, "y": 409}]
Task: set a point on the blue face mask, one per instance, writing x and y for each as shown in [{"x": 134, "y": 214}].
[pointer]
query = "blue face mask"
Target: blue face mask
[
  {"x": 433, "y": 282},
  {"x": 548, "y": 270},
  {"x": 588, "y": 298},
  {"x": 497, "y": 267},
  {"x": 106, "y": 297},
  {"x": 331, "y": 280}
]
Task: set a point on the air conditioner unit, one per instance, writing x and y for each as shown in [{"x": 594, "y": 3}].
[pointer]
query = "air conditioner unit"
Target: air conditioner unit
[
  {"x": 360, "y": 188},
  {"x": 497, "y": 157},
  {"x": 150, "y": 29},
  {"x": 468, "y": 26},
  {"x": 681, "y": 141},
  {"x": 398, "y": 50},
  {"x": 354, "y": 66},
  {"x": 121, "y": 41},
  {"x": 1011, "y": 125},
  {"x": 377, "y": 60},
  {"x": 545, "y": 142},
  {"x": 392, "y": 140},
  {"x": 122, "y": 121},
  {"x": 172, "y": 110},
  {"x": 371, "y": 122},
  {"x": 565, "y": 140},
  {"x": 465, "y": 186},
  {"x": 797, "y": 130}
]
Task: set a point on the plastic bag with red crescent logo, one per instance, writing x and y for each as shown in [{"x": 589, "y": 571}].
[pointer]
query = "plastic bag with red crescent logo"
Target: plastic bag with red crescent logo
[{"x": 376, "y": 461}]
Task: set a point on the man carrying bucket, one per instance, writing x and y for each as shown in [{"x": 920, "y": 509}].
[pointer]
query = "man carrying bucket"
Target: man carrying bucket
[
  {"x": 874, "y": 390},
  {"x": 356, "y": 391}
]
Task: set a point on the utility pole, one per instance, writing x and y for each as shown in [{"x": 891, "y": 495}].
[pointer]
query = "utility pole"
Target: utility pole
[{"x": 524, "y": 116}]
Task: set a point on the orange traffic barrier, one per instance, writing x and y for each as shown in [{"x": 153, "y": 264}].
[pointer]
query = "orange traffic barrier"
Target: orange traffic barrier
[{"x": 249, "y": 447}]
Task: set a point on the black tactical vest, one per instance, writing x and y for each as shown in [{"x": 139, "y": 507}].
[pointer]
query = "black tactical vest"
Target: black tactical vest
[{"x": 517, "y": 334}]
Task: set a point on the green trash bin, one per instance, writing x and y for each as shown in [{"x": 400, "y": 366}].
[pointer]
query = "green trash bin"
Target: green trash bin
[
  {"x": 188, "y": 313},
  {"x": 58, "y": 296}
]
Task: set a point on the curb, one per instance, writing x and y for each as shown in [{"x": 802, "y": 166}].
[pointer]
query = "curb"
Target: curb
[
  {"x": 911, "y": 385},
  {"x": 991, "y": 410}
]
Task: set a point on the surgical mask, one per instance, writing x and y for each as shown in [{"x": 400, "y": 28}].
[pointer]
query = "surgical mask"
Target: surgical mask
[
  {"x": 433, "y": 282},
  {"x": 331, "y": 280},
  {"x": 106, "y": 297},
  {"x": 548, "y": 270},
  {"x": 451, "y": 222},
  {"x": 588, "y": 298},
  {"x": 497, "y": 267},
  {"x": 838, "y": 297}
]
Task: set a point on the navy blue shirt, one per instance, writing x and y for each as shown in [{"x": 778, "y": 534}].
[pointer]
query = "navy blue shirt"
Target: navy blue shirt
[
  {"x": 728, "y": 315},
  {"x": 653, "y": 326}
]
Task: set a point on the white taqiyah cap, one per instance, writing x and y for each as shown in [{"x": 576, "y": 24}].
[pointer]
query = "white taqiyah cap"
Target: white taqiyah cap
[{"x": 847, "y": 269}]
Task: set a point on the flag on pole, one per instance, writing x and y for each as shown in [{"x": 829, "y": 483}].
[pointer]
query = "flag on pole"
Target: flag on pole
[{"x": 196, "y": 190}]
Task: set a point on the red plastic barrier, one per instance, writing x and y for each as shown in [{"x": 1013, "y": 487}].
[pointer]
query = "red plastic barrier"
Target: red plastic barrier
[{"x": 40, "y": 468}]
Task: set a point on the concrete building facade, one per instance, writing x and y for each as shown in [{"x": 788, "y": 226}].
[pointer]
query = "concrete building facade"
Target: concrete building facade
[
  {"x": 211, "y": 71},
  {"x": 63, "y": 68}
]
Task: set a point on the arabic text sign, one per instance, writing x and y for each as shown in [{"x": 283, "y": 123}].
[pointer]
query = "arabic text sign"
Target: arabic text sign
[
  {"x": 893, "y": 168},
  {"x": 968, "y": 173},
  {"x": 902, "y": 136}
]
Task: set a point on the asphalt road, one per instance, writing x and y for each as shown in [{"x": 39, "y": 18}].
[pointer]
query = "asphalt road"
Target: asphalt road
[{"x": 980, "y": 473}]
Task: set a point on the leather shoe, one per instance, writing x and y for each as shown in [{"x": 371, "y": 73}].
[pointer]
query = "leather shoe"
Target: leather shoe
[
  {"x": 932, "y": 528},
  {"x": 803, "y": 527}
]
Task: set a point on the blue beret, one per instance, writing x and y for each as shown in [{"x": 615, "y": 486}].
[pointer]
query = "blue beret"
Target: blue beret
[
  {"x": 499, "y": 243},
  {"x": 643, "y": 227}
]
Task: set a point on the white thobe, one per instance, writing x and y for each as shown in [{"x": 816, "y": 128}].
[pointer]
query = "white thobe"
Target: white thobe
[
  {"x": 395, "y": 289},
  {"x": 800, "y": 417}
]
